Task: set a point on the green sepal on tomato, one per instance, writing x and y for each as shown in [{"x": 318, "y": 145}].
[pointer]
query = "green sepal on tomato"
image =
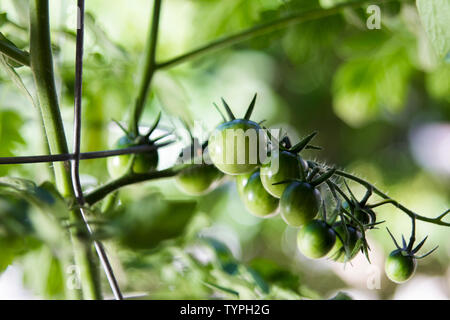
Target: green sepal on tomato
[{"x": 351, "y": 238}]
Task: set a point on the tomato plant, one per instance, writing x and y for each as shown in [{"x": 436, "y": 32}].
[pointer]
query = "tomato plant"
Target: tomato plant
[{"x": 59, "y": 223}]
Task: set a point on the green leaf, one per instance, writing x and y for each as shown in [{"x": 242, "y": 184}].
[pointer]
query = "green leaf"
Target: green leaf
[
  {"x": 45, "y": 196},
  {"x": 3, "y": 18},
  {"x": 10, "y": 135},
  {"x": 6, "y": 64},
  {"x": 223, "y": 289},
  {"x": 16, "y": 230},
  {"x": 14, "y": 217},
  {"x": 366, "y": 87},
  {"x": 50, "y": 204},
  {"x": 438, "y": 83},
  {"x": 11, "y": 247},
  {"x": 274, "y": 274},
  {"x": 43, "y": 274},
  {"x": 434, "y": 15},
  {"x": 145, "y": 223}
]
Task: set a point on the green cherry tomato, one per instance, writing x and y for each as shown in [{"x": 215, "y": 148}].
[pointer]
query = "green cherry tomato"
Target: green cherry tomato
[
  {"x": 235, "y": 146},
  {"x": 338, "y": 252},
  {"x": 299, "y": 203},
  {"x": 241, "y": 182},
  {"x": 283, "y": 166},
  {"x": 257, "y": 200},
  {"x": 400, "y": 266},
  {"x": 316, "y": 239},
  {"x": 143, "y": 163},
  {"x": 198, "y": 179}
]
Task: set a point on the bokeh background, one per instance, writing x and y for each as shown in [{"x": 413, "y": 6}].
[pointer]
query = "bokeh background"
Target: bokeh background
[{"x": 380, "y": 100}]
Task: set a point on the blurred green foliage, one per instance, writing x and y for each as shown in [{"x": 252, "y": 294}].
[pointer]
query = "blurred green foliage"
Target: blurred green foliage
[{"x": 364, "y": 90}]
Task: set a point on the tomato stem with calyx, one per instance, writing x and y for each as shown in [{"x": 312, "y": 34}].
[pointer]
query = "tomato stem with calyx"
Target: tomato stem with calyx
[{"x": 437, "y": 220}]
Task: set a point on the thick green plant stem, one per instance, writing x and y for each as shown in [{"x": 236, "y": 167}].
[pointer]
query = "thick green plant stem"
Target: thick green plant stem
[
  {"x": 148, "y": 71},
  {"x": 42, "y": 68}
]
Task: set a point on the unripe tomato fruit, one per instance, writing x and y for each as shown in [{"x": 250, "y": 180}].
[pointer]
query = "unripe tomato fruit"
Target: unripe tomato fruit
[
  {"x": 198, "y": 179},
  {"x": 316, "y": 239},
  {"x": 338, "y": 252},
  {"x": 143, "y": 163},
  {"x": 290, "y": 166},
  {"x": 256, "y": 199},
  {"x": 241, "y": 182},
  {"x": 235, "y": 146},
  {"x": 299, "y": 203},
  {"x": 400, "y": 266}
]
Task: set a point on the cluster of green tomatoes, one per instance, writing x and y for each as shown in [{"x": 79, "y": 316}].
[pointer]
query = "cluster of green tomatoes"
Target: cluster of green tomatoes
[{"x": 290, "y": 188}]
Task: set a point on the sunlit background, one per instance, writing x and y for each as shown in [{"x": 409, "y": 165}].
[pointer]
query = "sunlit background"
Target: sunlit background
[{"x": 380, "y": 100}]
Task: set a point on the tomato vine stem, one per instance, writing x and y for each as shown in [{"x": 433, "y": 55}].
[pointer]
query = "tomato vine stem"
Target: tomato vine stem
[
  {"x": 260, "y": 30},
  {"x": 151, "y": 65},
  {"x": 389, "y": 200},
  {"x": 148, "y": 70},
  {"x": 131, "y": 178}
]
